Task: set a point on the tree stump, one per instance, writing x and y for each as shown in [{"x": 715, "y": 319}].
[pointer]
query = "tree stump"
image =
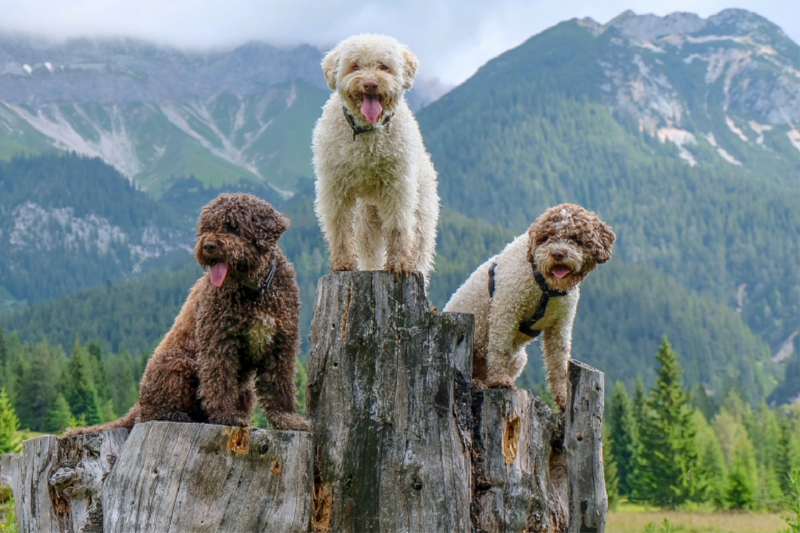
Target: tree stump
[
  {"x": 186, "y": 478},
  {"x": 389, "y": 393},
  {"x": 58, "y": 483},
  {"x": 8, "y": 468},
  {"x": 516, "y": 443},
  {"x": 583, "y": 442}
]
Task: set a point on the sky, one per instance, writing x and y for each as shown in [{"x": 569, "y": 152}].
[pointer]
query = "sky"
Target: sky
[{"x": 451, "y": 38}]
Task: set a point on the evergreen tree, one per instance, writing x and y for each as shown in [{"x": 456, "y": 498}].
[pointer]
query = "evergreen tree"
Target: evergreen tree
[
  {"x": 36, "y": 383},
  {"x": 742, "y": 476},
  {"x": 703, "y": 402},
  {"x": 78, "y": 388},
  {"x": 669, "y": 460},
  {"x": 99, "y": 377},
  {"x": 9, "y": 425},
  {"x": 121, "y": 381},
  {"x": 611, "y": 473},
  {"x": 59, "y": 417},
  {"x": 623, "y": 435},
  {"x": 711, "y": 463}
]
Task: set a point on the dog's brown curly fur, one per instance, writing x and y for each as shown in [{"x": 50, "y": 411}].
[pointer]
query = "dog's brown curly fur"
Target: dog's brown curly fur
[{"x": 234, "y": 342}]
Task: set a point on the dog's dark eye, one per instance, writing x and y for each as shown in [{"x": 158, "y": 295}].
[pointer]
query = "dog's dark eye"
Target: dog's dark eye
[
  {"x": 543, "y": 240},
  {"x": 383, "y": 67},
  {"x": 230, "y": 228},
  {"x": 356, "y": 67}
]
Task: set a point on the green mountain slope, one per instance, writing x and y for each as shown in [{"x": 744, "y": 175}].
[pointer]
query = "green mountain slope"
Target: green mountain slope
[{"x": 533, "y": 129}]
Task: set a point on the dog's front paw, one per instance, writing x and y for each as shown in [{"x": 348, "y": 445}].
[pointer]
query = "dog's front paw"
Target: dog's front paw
[
  {"x": 174, "y": 416},
  {"x": 229, "y": 420},
  {"x": 291, "y": 421},
  {"x": 343, "y": 264},
  {"x": 500, "y": 383},
  {"x": 401, "y": 267}
]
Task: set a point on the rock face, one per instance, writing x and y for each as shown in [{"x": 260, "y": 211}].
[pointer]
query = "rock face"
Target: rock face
[{"x": 731, "y": 78}]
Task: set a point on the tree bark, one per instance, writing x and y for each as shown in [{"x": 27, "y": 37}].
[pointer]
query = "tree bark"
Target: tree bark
[
  {"x": 516, "y": 443},
  {"x": 188, "y": 478},
  {"x": 58, "y": 483},
  {"x": 583, "y": 441},
  {"x": 8, "y": 468},
  {"x": 389, "y": 393}
]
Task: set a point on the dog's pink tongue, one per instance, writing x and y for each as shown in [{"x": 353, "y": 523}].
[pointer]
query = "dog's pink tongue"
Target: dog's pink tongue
[
  {"x": 218, "y": 273},
  {"x": 371, "y": 107},
  {"x": 560, "y": 271}
]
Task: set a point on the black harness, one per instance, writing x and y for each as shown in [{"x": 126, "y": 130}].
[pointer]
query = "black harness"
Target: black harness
[
  {"x": 358, "y": 130},
  {"x": 526, "y": 327},
  {"x": 264, "y": 286}
]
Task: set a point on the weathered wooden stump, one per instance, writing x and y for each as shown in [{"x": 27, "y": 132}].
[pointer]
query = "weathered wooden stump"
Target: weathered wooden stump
[
  {"x": 405, "y": 442},
  {"x": 516, "y": 442},
  {"x": 58, "y": 483},
  {"x": 8, "y": 468},
  {"x": 389, "y": 394},
  {"x": 583, "y": 442},
  {"x": 186, "y": 478}
]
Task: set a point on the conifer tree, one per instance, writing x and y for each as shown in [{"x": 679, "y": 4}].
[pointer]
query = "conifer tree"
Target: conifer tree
[
  {"x": 742, "y": 476},
  {"x": 669, "y": 460},
  {"x": 79, "y": 389},
  {"x": 711, "y": 462},
  {"x": 623, "y": 435},
  {"x": 9, "y": 425},
  {"x": 36, "y": 383},
  {"x": 59, "y": 417},
  {"x": 610, "y": 470}
]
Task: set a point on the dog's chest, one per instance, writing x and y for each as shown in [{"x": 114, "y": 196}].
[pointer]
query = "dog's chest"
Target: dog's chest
[
  {"x": 556, "y": 307},
  {"x": 262, "y": 332}
]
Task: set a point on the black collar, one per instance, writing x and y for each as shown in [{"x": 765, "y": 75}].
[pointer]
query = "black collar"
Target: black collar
[
  {"x": 358, "y": 130},
  {"x": 264, "y": 286}
]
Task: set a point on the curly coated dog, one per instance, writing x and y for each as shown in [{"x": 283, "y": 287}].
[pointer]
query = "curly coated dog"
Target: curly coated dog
[
  {"x": 376, "y": 186},
  {"x": 237, "y": 335},
  {"x": 533, "y": 286}
]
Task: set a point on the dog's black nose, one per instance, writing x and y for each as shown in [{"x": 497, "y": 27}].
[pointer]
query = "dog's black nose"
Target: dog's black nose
[
  {"x": 558, "y": 255},
  {"x": 210, "y": 246},
  {"x": 370, "y": 85}
]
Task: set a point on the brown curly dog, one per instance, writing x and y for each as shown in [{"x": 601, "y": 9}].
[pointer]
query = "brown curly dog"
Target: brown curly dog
[
  {"x": 237, "y": 335},
  {"x": 533, "y": 287}
]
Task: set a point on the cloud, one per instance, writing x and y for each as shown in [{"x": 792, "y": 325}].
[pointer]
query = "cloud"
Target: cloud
[{"x": 452, "y": 38}]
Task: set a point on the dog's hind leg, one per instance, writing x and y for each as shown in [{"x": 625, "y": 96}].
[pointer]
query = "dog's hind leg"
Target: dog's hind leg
[
  {"x": 169, "y": 386},
  {"x": 370, "y": 246}
]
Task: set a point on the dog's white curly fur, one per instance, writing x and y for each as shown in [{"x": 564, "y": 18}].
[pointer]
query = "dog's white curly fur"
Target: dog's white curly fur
[
  {"x": 376, "y": 196},
  {"x": 566, "y": 235}
]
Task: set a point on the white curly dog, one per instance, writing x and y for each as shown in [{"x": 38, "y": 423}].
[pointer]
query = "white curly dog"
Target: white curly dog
[
  {"x": 533, "y": 287},
  {"x": 375, "y": 184}
]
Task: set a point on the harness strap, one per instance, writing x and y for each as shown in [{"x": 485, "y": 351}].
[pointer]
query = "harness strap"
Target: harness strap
[{"x": 526, "y": 327}]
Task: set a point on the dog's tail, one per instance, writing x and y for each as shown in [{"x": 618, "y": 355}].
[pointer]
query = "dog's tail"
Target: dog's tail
[{"x": 127, "y": 422}]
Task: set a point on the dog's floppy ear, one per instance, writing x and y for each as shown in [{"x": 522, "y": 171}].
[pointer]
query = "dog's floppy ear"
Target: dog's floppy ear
[
  {"x": 410, "y": 67},
  {"x": 270, "y": 225},
  {"x": 330, "y": 67},
  {"x": 603, "y": 242}
]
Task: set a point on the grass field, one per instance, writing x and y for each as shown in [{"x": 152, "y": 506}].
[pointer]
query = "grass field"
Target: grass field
[{"x": 634, "y": 520}]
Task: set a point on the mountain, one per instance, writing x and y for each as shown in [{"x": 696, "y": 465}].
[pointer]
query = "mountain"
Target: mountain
[
  {"x": 157, "y": 113},
  {"x": 604, "y": 116},
  {"x": 68, "y": 222}
]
